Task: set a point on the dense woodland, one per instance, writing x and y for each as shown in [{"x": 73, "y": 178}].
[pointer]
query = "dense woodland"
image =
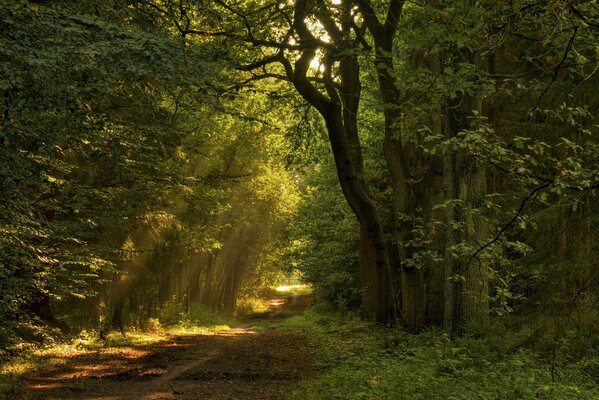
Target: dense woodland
[{"x": 429, "y": 165}]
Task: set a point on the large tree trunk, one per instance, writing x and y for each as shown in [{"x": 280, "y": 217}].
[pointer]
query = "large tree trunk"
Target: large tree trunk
[
  {"x": 413, "y": 294},
  {"x": 467, "y": 290},
  {"x": 374, "y": 259},
  {"x": 404, "y": 202},
  {"x": 339, "y": 108}
]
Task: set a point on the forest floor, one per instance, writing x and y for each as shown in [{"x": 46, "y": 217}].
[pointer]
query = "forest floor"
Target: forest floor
[
  {"x": 250, "y": 361},
  {"x": 291, "y": 352}
]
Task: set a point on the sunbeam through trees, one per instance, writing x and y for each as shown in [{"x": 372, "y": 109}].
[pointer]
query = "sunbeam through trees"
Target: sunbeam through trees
[{"x": 420, "y": 176}]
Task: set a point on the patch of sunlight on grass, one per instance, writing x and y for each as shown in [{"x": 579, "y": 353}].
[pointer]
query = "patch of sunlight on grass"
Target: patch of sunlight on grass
[
  {"x": 137, "y": 338},
  {"x": 197, "y": 329},
  {"x": 17, "y": 366},
  {"x": 299, "y": 289},
  {"x": 12, "y": 369},
  {"x": 252, "y": 306},
  {"x": 51, "y": 356}
]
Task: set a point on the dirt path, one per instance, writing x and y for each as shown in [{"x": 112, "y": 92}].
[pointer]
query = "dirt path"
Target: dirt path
[{"x": 231, "y": 364}]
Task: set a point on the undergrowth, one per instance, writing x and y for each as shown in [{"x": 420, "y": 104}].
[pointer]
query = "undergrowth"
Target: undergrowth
[
  {"x": 197, "y": 319},
  {"x": 363, "y": 361}
]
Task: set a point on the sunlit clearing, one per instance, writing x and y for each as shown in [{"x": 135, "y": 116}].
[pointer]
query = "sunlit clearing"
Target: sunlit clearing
[
  {"x": 190, "y": 329},
  {"x": 275, "y": 302},
  {"x": 116, "y": 339},
  {"x": 236, "y": 332},
  {"x": 291, "y": 288}
]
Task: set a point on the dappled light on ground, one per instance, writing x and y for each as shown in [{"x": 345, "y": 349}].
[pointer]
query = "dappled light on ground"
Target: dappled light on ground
[
  {"x": 234, "y": 363},
  {"x": 294, "y": 288},
  {"x": 275, "y": 302}
]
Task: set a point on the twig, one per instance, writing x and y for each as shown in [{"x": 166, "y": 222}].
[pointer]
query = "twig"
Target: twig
[
  {"x": 558, "y": 68},
  {"x": 544, "y": 179},
  {"x": 530, "y": 196},
  {"x": 584, "y": 18}
]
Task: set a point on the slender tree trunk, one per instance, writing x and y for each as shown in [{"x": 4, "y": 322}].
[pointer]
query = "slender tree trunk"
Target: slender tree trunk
[
  {"x": 194, "y": 278},
  {"x": 450, "y": 215},
  {"x": 117, "y": 320},
  {"x": 434, "y": 269},
  {"x": 207, "y": 288}
]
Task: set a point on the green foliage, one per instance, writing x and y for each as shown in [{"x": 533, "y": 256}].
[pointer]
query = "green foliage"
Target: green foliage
[
  {"x": 361, "y": 361},
  {"x": 121, "y": 167},
  {"x": 323, "y": 240},
  {"x": 86, "y": 135},
  {"x": 143, "y": 173}
]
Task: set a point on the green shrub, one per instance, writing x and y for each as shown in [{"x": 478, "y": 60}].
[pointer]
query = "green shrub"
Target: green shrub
[{"x": 363, "y": 361}]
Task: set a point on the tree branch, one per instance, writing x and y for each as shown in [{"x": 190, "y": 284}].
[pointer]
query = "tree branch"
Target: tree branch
[
  {"x": 544, "y": 179},
  {"x": 324, "y": 16},
  {"x": 300, "y": 79},
  {"x": 260, "y": 63},
  {"x": 583, "y": 17},
  {"x": 530, "y": 196},
  {"x": 372, "y": 22},
  {"x": 393, "y": 16},
  {"x": 558, "y": 68}
]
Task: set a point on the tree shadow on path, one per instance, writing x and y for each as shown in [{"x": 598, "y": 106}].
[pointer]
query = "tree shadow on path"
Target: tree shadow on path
[{"x": 238, "y": 363}]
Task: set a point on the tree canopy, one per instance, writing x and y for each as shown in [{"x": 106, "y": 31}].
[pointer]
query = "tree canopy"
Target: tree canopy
[{"x": 429, "y": 164}]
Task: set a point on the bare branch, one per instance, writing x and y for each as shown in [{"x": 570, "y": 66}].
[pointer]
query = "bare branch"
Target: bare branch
[
  {"x": 255, "y": 78},
  {"x": 558, "y": 68},
  {"x": 584, "y": 18},
  {"x": 529, "y": 197},
  {"x": 260, "y": 63}
]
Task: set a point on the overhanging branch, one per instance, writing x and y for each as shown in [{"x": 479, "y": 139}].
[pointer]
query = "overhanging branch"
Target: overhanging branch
[{"x": 529, "y": 197}]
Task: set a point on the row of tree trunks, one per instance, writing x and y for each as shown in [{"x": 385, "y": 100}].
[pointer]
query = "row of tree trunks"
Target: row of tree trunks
[{"x": 454, "y": 295}]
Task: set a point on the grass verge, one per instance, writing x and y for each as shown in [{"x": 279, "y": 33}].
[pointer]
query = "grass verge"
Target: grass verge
[{"x": 363, "y": 361}]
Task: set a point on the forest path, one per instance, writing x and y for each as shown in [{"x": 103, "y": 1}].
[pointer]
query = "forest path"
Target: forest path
[{"x": 238, "y": 363}]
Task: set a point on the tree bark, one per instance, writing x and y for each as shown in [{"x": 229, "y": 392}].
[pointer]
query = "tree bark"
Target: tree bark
[
  {"x": 339, "y": 109},
  {"x": 467, "y": 290},
  {"x": 404, "y": 200},
  {"x": 207, "y": 288}
]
